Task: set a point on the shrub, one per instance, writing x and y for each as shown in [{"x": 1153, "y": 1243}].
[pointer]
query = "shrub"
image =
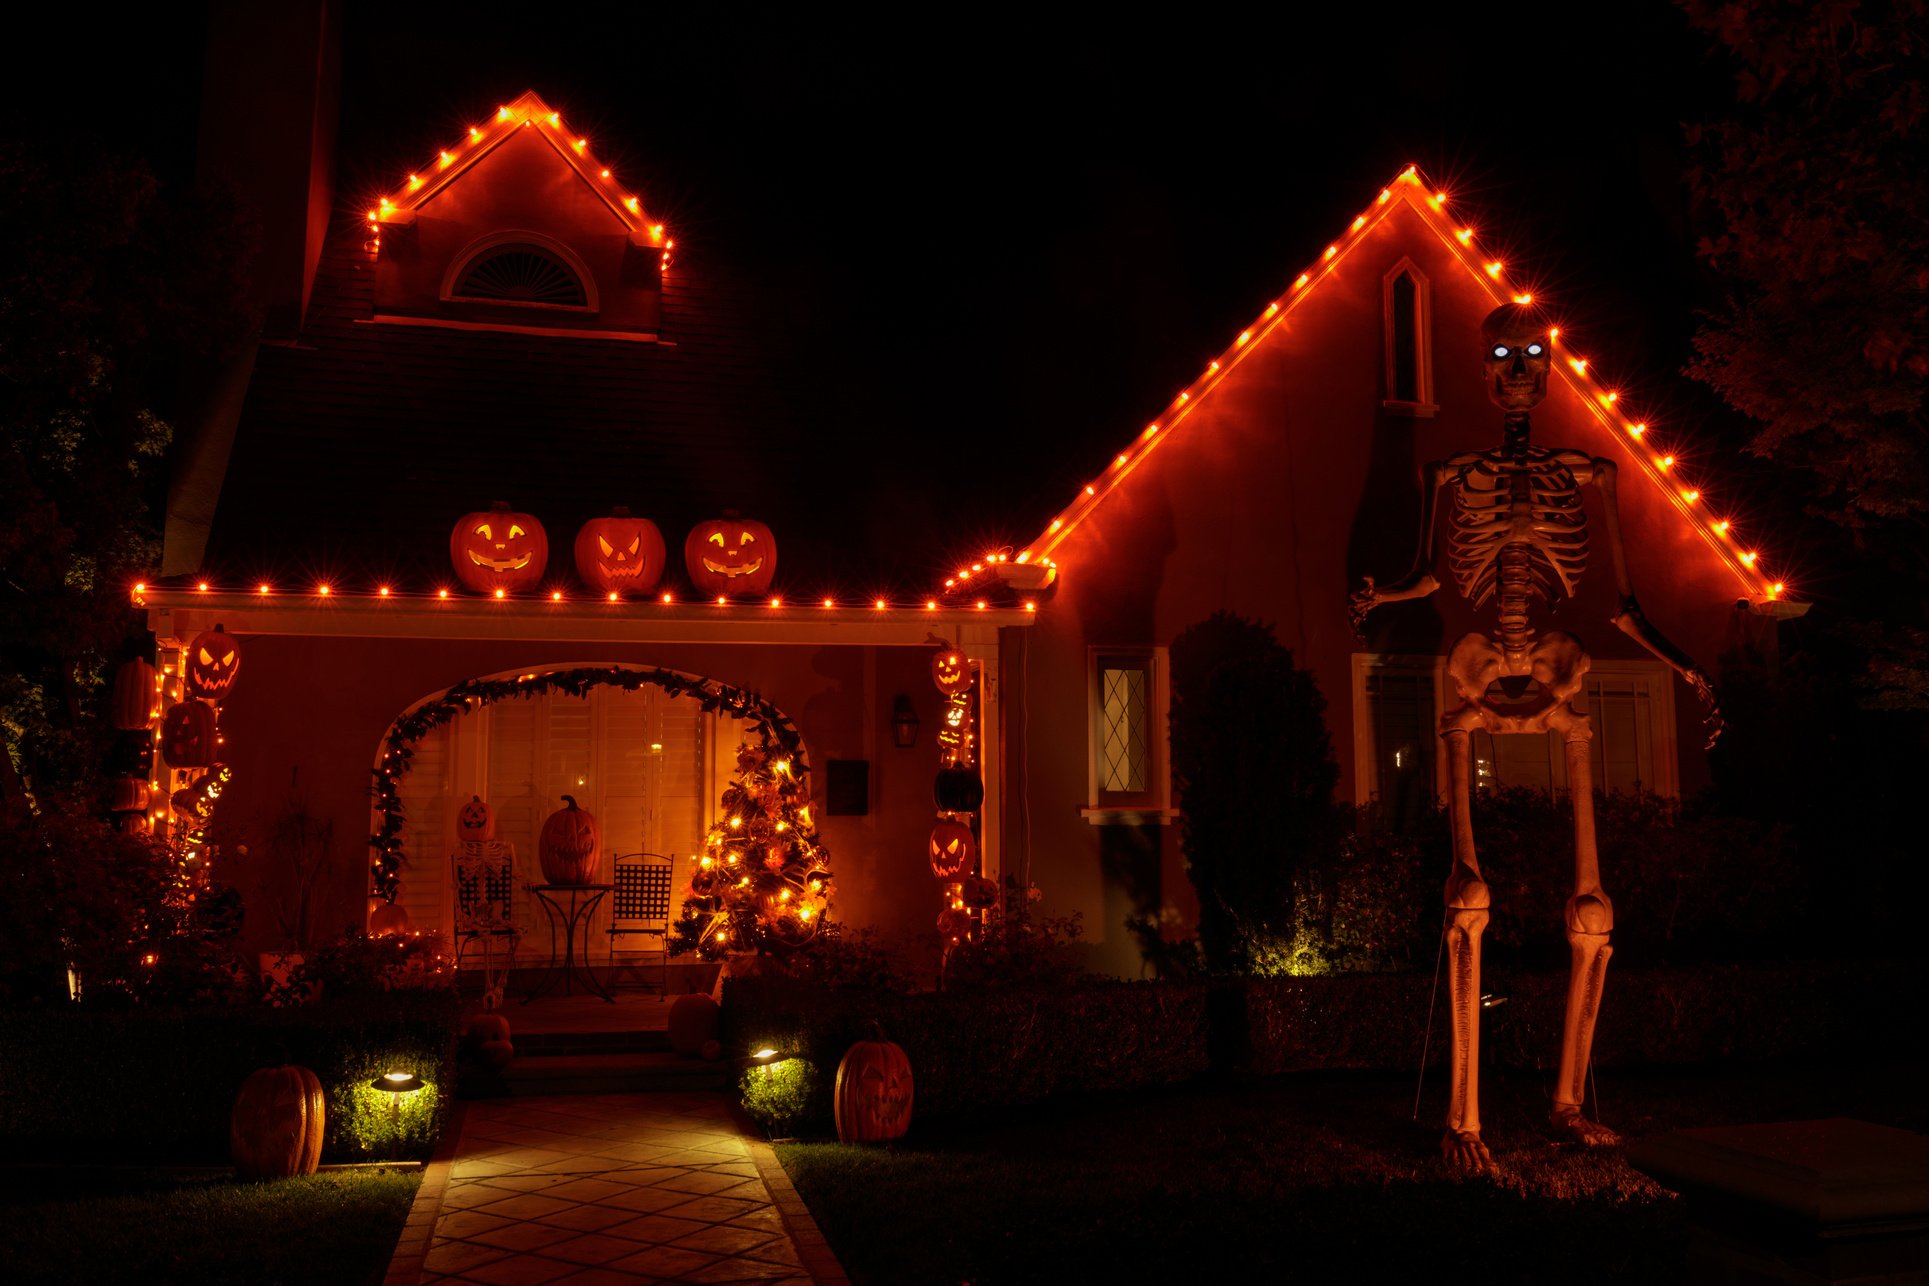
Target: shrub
[
  {"x": 1014, "y": 948},
  {"x": 843, "y": 958},
  {"x": 779, "y": 1092}
]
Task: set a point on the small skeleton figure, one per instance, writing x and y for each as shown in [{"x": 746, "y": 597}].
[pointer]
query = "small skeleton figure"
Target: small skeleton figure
[{"x": 1518, "y": 537}]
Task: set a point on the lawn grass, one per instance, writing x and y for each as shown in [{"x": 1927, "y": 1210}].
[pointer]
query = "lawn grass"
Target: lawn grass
[
  {"x": 1309, "y": 1178},
  {"x": 72, "y": 1226}
]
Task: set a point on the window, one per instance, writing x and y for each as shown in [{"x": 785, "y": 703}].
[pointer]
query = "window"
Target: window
[
  {"x": 1407, "y": 306},
  {"x": 1397, "y": 703},
  {"x": 1127, "y": 760},
  {"x": 521, "y": 270},
  {"x": 642, "y": 762}
]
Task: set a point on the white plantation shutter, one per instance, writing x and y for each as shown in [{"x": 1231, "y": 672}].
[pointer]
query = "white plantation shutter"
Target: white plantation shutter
[
  {"x": 515, "y": 792},
  {"x": 681, "y": 795},
  {"x": 426, "y": 827},
  {"x": 627, "y": 736}
]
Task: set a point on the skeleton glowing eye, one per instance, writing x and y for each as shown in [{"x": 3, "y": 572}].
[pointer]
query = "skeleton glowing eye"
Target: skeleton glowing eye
[
  {"x": 1500, "y": 350},
  {"x": 717, "y": 536},
  {"x": 608, "y": 548},
  {"x": 515, "y": 531},
  {"x": 1533, "y": 350},
  {"x": 483, "y": 531}
]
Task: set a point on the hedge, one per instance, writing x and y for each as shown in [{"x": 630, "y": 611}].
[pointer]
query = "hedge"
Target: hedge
[
  {"x": 158, "y": 1084},
  {"x": 974, "y": 1049}
]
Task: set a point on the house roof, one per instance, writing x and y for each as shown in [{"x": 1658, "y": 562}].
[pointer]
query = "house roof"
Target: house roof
[{"x": 1649, "y": 446}]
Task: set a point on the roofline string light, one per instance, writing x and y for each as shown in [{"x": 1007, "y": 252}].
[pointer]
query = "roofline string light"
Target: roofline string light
[
  {"x": 1460, "y": 240},
  {"x": 441, "y": 594}
]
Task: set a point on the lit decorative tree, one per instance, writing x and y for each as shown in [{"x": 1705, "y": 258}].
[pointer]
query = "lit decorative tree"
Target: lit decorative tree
[{"x": 762, "y": 883}]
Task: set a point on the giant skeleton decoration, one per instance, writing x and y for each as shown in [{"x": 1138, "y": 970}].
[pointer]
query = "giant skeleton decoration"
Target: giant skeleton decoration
[{"x": 1518, "y": 537}]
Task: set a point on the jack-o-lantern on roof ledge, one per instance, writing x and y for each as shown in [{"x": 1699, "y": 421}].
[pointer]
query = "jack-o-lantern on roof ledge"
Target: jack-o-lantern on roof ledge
[
  {"x": 620, "y": 554},
  {"x": 500, "y": 549},
  {"x": 730, "y": 556}
]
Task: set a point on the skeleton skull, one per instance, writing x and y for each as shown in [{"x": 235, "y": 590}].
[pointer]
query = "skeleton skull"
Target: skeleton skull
[{"x": 1517, "y": 353}]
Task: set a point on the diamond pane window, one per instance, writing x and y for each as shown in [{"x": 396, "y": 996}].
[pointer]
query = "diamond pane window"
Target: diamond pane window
[{"x": 1124, "y": 750}]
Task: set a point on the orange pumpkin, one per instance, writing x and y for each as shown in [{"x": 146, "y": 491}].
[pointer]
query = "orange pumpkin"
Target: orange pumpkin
[
  {"x": 127, "y": 795},
  {"x": 730, "y": 556},
  {"x": 874, "y": 1090},
  {"x": 275, "y": 1130},
  {"x": 497, "y": 1053},
  {"x": 567, "y": 845},
  {"x": 953, "y": 850},
  {"x": 134, "y": 693},
  {"x": 694, "y": 1021},
  {"x": 958, "y": 790},
  {"x": 499, "y": 550},
  {"x": 187, "y": 735},
  {"x": 950, "y": 671},
  {"x": 620, "y": 554},
  {"x": 211, "y": 664},
  {"x": 475, "y": 820},
  {"x": 486, "y": 1027},
  {"x": 134, "y": 824},
  {"x": 388, "y": 919},
  {"x": 978, "y": 893}
]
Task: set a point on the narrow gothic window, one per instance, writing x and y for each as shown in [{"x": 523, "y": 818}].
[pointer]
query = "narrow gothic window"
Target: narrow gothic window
[{"x": 1409, "y": 356}]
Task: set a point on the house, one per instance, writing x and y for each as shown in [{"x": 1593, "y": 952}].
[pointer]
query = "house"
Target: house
[{"x": 509, "y": 322}]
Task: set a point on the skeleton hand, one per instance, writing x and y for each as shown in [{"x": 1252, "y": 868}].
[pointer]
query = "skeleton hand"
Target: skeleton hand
[
  {"x": 1710, "y": 705},
  {"x": 1362, "y": 603}
]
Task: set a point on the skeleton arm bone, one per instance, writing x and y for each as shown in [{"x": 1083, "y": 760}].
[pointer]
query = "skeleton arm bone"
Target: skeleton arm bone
[
  {"x": 1631, "y": 621},
  {"x": 1420, "y": 581}
]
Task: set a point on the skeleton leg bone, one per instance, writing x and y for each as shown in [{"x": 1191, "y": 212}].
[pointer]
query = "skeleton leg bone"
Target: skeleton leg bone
[
  {"x": 1467, "y": 902},
  {"x": 1590, "y": 919}
]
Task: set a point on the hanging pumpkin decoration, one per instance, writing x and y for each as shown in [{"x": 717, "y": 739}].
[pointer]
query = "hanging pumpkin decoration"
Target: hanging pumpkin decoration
[
  {"x": 131, "y": 754},
  {"x": 950, "y": 671},
  {"x": 499, "y": 550},
  {"x": 978, "y": 893},
  {"x": 730, "y": 556},
  {"x": 958, "y": 790},
  {"x": 134, "y": 695},
  {"x": 954, "y": 925},
  {"x": 127, "y": 795},
  {"x": 953, "y": 850},
  {"x": 475, "y": 820},
  {"x": 567, "y": 846},
  {"x": 187, "y": 735},
  {"x": 873, "y": 1098},
  {"x": 388, "y": 920},
  {"x": 620, "y": 554},
  {"x": 133, "y": 824},
  {"x": 210, "y": 664},
  {"x": 275, "y": 1131}
]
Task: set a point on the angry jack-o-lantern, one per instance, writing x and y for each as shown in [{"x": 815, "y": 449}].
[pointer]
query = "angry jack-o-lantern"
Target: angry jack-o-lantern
[
  {"x": 211, "y": 664},
  {"x": 950, "y": 671},
  {"x": 620, "y": 554},
  {"x": 499, "y": 550},
  {"x": 187, "y": 735},
  {"x": 953, "y": 850},
  {"x": 730, "y": 556},
  {"x": 874, "y": 1092},
  {"x": 475, "y": 820}
]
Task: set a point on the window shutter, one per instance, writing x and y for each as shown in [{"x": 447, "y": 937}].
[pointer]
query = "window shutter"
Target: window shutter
[{"x": 426, "y": 832}]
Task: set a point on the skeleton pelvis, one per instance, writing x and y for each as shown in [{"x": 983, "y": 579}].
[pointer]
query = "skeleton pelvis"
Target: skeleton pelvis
[{"x": 1528, "y": 693}]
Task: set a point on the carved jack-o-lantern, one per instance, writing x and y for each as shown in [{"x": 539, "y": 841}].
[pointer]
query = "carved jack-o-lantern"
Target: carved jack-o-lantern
[
  {"x": 874, "y": 1092},
  {"x": 134, "y": 691},
  {"x": 730, "y": 556},
  {"x": 475, "y": 820},
  {"x": 187, "y": 735},
  {"x": 953, "y": 850},
  {"x": 499, "y": 550},
  {"x": 950, "y": 671},
  {"x": 211, "y": 663},
  {"x": 567, "y": 845},
  {"x": 620, "y": 554}
]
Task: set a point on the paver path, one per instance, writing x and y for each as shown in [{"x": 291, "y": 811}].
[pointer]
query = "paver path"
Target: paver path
[{"x": 606, "y": 1188}]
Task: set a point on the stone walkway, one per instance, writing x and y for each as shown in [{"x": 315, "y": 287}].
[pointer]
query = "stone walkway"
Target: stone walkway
[{"x": 608, "y": 1188}]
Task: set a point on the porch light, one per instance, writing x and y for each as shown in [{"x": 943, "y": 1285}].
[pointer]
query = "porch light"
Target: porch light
[{"x": 904, "y": 722}]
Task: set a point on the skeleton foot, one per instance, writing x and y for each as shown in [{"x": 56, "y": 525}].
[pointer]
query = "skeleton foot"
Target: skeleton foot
[
  {"x": 1466, "y": 1156},
  {"x": 1571, "y": 1127}
]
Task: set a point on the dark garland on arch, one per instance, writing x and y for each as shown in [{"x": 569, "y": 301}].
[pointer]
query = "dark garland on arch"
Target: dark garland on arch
[{"x": 774, "y": 732}]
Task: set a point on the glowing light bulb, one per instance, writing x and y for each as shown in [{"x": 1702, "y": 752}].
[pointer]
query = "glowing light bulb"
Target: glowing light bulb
[
  {"x": 262, "y": 588},
  {"x": 555, "y": 596},
  {"x": 1667, "y": 462},
  {"x": 555, "y": 118},
  {"x": 442, "y": 593},
  {"x": 474, "y": 133},
  {"x": 322, "y": 589},
  {"x": 502, "y": 113},
  {"x": 721, "y": 600},
  {"x": 1721, "y": 528},
  {"x": 828, "y": 603},
  {"x": 613, "y": 596},
  {"x": 776, "y": 602},
  {"x": 879, "y": 604},
  {"x": 1330, "y": 252},
  {"x": 500, "y": 594},
  {"x": 1056, "y": 524},
  {"x": 606, "y": 173},
  {"x": 1118, "y": 463},
  {"x": 666, "y": 598},
  {"x": 1611, "y": 398},
  {"x": 1359, "y": 223},
  {"x": 1030, "y": 606},
  {"x": 1465, "y": 235},
  {"x": 1749, "y": 557},
  {"x": 1775, "y": 589},
  {"x": 202, "y": 587},
  {"x": 1637, "y": 429},
  {"x": 1300, "y": 280},
  {"x": 1244, "y": 335},
  {"x": 981, "y": 604},
  {"x": 1384, "y": 194},
  {"x": 1494, "y": 267},
  {"x": 1579, "y": 364},
  {"x": 446, "y": 158},
  {"x": 1089, "y": 490},
  {"x": 930, "y": 604},
  {"x": 1523, "y": 299},
  {"x": 1691, "y": 496},
  {"x": 140, "y": 587}
]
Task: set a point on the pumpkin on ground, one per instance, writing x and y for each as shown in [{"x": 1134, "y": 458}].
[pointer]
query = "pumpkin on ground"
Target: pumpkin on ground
[
  {"x": 730, "y": 556},
  {"x": 275, "y": 1131},
  {"x": 486, "y": 1027},
  {"x": 475, "y": 820},
  {"x": 388, "y": 918},
  {"x": 620, "y": 554},
  {"x": 568, "y": 843},
  {"x": 211, "y": 663},
  {"x": 873, "y": 1099},
  {"x": 499, "y": 550},
  {"x": 497, "y": 1054},
  {"x": 953, "y": 850},
  {"x": 693, "y": 1024},
  {"x": 187, "y": 735},
  {"x": 134, "y": 691}
]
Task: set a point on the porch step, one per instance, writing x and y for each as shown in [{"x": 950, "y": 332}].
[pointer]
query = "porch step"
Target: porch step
[
  {"x": 544, "y": 1044},
  {"x": 623, "y": 1072}
]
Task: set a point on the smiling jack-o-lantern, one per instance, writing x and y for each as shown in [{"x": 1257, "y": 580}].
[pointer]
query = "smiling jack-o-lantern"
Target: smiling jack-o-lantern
[
  {"x": 620, "y": 554},
  {"x": 211, "y": 665},
  {"x": 953, "y": 850},
  {"x": 499, "y": 550},
  {"x": 187, "y": 735},
  {"x": 475, "y": 820},
  {"x": 730, "y": 556},
  {"x": 950, "y": 671}
]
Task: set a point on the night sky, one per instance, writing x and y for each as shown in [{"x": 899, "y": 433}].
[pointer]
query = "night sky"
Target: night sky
[{"x": 998, "y": 244}]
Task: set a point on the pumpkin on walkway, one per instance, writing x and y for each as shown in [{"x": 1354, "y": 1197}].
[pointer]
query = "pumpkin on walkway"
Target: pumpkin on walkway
[
  {"x": 694, "y": 1021},
  {"x": 275, "y": 1131},
  {"x": 568, "y": 845},
  {"x": 873, "y": 1100}
]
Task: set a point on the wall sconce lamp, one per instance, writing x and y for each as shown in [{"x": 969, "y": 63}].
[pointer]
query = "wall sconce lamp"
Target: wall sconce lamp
[{"x": 904, "y": 722}]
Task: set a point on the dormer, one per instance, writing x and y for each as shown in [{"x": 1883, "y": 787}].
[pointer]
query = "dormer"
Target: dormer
[{"x": 517, "y": 227}]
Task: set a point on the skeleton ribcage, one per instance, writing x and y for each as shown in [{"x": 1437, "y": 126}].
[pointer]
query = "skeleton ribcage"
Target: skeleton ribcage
[{"x": 1528, "y": 509}]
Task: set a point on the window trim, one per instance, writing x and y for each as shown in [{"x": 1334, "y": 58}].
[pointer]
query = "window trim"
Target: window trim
[
  {"x": 460, "y": 264},
  {"x": 1152, "y": 806},
  {"x": 1422, "y": 404}
]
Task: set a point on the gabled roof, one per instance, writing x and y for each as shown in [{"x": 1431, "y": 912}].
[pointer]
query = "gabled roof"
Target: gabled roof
[
  {"x": 528, "y": 112},
  {"x": 1735, "y": 550}
]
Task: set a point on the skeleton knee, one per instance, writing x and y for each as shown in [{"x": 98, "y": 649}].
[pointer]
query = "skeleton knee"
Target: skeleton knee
[
  {"x": 1467, "y": 891},
  {"x": 1590, "y": 913}
]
